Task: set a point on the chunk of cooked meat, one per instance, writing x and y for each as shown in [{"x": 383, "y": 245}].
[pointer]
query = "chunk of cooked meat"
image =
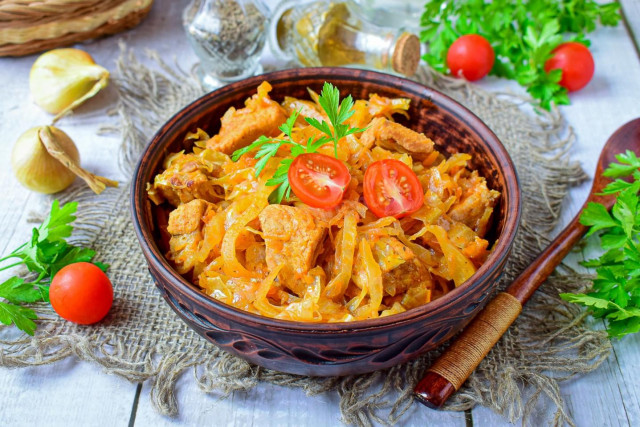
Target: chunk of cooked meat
[
  {"x": 187, "y": 218},
  {"x": 393, "y": 136},
  {"x": 291, "y": 238},
  {"x": 240, "y": 128},
  {"x": 409, "y": 275},
  {"x": 306, "y": 109},
  {"x": 401, "y": 269},
  {"x": 185, "y": 226},
  {"x": 476, "y": 204},
  {"x": 185, "y": 179}
]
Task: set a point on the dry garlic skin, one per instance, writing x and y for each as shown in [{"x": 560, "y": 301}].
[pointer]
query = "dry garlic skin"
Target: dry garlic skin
[
  {"x": 62, "y": 79},
  {"x": 35, "y": 168}
]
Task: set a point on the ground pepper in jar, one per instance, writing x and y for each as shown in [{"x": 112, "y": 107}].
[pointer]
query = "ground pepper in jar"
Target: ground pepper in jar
[{"x": 228, "y": 36}]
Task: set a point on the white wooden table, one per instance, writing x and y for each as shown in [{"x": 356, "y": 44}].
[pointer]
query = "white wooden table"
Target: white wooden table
[{"x": 74, "y": 393}]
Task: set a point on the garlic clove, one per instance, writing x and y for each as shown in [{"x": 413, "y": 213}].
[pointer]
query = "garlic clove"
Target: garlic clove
[
  {"x": 35, "y": 168},
  {"x": 62, "y": 79}
]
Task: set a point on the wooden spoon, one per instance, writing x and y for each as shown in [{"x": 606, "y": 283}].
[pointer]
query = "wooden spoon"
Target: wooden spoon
[{"x": 466, "y": 352}]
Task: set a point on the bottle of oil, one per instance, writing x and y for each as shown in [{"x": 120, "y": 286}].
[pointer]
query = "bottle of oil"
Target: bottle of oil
[{"x": 335, "y": 33}]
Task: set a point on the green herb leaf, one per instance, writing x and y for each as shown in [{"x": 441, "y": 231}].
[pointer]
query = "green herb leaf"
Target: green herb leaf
[
  {"x": 255, "y": 145},
  {"x": 287, "y": 127},
  {"x": 45, "y": 254},
  {"x": 522, "y": 34},
  {"x": 22, "y": 317},
  {"x": 338, "y": 112},
  {"x": 597, "y": 217},
  {"x": 615, "y": 296},
  {"x": 17, "y": 291},
  {"x": 629, "y": 163}
]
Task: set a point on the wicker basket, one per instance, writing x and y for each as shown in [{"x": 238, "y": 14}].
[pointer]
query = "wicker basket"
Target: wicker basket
[{"x": 28, "y": 26}]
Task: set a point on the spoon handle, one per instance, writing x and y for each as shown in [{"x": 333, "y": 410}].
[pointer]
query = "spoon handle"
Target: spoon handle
[{"x": 461, "y": 358}]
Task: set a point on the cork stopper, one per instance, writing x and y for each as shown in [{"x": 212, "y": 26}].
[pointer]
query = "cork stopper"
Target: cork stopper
[{"x": 406, "y": 55}]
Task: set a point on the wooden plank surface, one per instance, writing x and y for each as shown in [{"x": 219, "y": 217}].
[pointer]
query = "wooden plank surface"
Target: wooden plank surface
[
  {"x": 72, "y": 393},
  {"x": 268, "y": 405},
  {"x": 66, "y": 394},
  {"x": 631, "y": 10}
]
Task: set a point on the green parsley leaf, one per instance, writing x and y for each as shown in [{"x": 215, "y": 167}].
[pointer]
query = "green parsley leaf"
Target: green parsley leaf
[
  {"x": 337, "y": 112},
  {"x": 255, "y": 145},
  {"x": 522, "y": 34},
  {"x": 22, "y": 317},
  {"x": 44, "y": 254},
  {"x": 629, "y": 163},
  {"x": 597, "y": 217},
  {"x": 17, "y": 291},
  {"x": 287, "y": 127},
  {"x": 615, "y": 296},
  {"x": 281, "y": 179}
]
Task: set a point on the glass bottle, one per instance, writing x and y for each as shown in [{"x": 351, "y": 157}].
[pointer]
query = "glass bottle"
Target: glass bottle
[
  {"x": 325, "y": 33},
  {"x": 227, "y": 36}
]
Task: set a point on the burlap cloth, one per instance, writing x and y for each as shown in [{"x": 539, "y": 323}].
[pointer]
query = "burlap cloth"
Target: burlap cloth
[{"x": 143, "y": 340}]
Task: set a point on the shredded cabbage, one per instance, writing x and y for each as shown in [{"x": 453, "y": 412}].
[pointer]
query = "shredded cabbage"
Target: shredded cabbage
[{"x": 316, "y": 265}]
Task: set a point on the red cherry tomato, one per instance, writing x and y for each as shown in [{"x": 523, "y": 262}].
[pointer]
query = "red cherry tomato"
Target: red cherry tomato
[
  {"x": 576, "y": 63},
  {"x": 318, "y": 180},
  {"x": 81, "y": 293},
  {"x": 471, "y": 57},
  {"x": 391, "y": 188}
]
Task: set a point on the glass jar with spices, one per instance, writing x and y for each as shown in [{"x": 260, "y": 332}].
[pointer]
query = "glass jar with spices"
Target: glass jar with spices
[
  {"x": 228, "y": 37},
  {"x": 336, "y": 33}
]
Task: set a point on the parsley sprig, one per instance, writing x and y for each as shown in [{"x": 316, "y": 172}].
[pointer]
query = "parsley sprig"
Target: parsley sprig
[
  {"x": 616, "y": 289},
  {"x": 522, "y": 33},
  {"x": 337, "y": 112},
  {"x": 44, "y": 255}
]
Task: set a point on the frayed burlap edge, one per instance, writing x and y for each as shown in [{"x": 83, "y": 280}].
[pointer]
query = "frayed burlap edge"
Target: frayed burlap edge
[{"x": 549, "y": 342}]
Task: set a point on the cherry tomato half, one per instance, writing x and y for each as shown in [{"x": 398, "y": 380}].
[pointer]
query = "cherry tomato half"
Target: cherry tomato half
[
  {"x": 318, "y": 180},
  {"x": 391, "y": 188},
  {"x": 471, "y": 57},
  {"x": 81, "y": 293},
  {"x": 576, "y": 63}
]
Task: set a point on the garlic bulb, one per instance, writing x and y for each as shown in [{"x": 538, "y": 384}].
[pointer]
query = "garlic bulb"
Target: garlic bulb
[
  {"x": 46, "y": 160},
  {"x": 62, "y": 79},
  {"x": 35, "y": 168}
]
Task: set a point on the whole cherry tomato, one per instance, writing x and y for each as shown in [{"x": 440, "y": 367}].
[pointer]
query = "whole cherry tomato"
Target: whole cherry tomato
[
  {"x": 81, "y": 293},
  {"x": 318, "y": 180},
  {"x": 576, "y": 63},
  {"x": 391, "y": 188},
  {"x": 471, "y": 57}
]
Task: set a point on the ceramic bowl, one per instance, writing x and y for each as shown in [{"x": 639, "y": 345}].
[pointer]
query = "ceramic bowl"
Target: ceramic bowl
[{"x": 333, "y": 348}]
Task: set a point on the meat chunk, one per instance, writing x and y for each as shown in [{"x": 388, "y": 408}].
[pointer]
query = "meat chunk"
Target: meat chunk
[
  {"x": 476, "y": 205},
  {"x": 240, "y": 128},
  {"x": 401, "y": 269},
  {"x": 291, "y": 238},
  {"x": 394, "y": 136},
  {"x": 411, "y": 278},
  {"x": 185, "y": 226},
  {"x": 306, "y": 109},
  {"x": 185, "y": 179},
  {"x": 186, "y": 218}
]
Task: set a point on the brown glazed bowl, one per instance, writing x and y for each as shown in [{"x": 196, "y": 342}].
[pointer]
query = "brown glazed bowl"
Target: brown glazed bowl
[{"x": 333, "y": 348}]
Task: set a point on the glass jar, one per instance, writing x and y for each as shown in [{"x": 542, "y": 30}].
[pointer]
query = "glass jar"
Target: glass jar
[
  {"x": 326, "y": 33},
  {"x": 405, "y": 13},
  {"x": 227, "y": 36}
]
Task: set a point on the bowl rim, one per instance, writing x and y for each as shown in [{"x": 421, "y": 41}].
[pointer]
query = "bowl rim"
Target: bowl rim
[{"x": 502, "y": 246}]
